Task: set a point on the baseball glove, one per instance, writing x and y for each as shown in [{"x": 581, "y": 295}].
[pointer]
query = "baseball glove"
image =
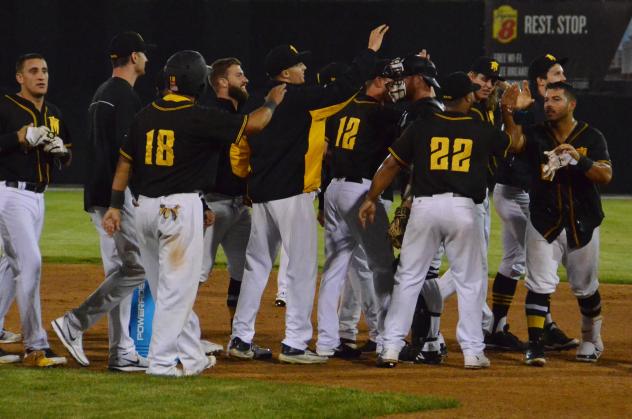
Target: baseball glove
[{"x": 398, "y": 226}]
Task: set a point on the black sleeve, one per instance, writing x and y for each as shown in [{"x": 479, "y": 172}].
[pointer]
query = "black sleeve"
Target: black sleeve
[
  {"x": 403, "y": 148},
  {"x": 599, "y": 149},
  {"x": 348, "y": 84},
  {"x": 223, "y": 126},
  {"x": 127, "y": 148}
]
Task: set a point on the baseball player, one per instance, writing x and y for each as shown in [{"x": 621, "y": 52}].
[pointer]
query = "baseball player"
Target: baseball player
[
  {"x": 358, "y": 294},
  {"x": 232, "y": 218},
  {"x": 567, "y": 160},
  {"x": 511, "y": 201},
  {"x": 485, "y": 73},
  {"x": 169, "y": 157},
  {"x": 286, "y": 172},
  {"x": 449, "y": 153},
  {"x": 110, "y": 115},
  {"x": 416, "y": 87},
  {"x": 32, "y": 135},
  {"x": 364, "y": 129}
]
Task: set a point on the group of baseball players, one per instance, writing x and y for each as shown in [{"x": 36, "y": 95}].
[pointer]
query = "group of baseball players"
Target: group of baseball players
[{"x": 170, "y": 182}]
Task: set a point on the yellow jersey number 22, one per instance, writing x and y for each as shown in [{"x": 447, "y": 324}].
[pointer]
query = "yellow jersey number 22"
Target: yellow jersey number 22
[
  {"x": 457, "y": 161},
  {"x": 164, "y": 140}
]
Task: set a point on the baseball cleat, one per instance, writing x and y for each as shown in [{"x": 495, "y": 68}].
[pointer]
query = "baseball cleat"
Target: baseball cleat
[
  {"x": 504, "y": 341},
  {"x": 7, "y": 358},
  {"x": 128, "y": 363},
  {"x": 369, "y": 346},
  {"x": 476, "y": 362},
  {"x": 9, "y": 337},
  {"x": 71, "y": 338},
  {"x": 535, "y": 355},
  {"x": 349, "y": 342},
  {"x": 589, "y": 351},
  {"x": 237, "y": 348},
  {"x": 409, "y": 353},
  {"x": 211, "y": 348},
  {"x": 345, "y": 351},
  {"x": 291, "y": 355},
  {"x": 279, "y": 303},
  {"x": 388, "y": 358},
  {"x": 42, "y": 358},
  {"x": 555, "y": 339}
]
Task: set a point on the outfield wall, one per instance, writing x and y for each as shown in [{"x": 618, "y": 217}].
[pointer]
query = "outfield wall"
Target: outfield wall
[{"x": 74, "y": 36}]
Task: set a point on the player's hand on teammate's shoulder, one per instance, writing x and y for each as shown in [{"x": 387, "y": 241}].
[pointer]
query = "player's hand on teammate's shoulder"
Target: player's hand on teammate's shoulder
[
  {"x": 367, "y": 212},
  {"x": 112, "y": 221},
  {"x": 276, "y": 94},
  {"x": 376, "y": 37}
]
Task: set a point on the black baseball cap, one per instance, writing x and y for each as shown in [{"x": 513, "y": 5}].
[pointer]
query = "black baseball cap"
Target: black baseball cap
[
  {"x": 488, "y": 67},
  {"x": 416, "y": 65},
  {"x": 541, "y": 65},
  {"x": 331, "y": 72},
  {"x": 125, "y": 43},
  {"x": 283, "y": 56},
  {"x": 457, "y": 85}
]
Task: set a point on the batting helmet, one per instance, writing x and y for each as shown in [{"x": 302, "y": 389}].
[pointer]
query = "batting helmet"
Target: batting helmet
[
  {"x": 416, "y": 65},
  {"x": 185, "y": 72}
]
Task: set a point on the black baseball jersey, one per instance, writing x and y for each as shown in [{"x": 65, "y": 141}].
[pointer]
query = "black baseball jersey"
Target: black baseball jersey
[
  {"x": 174, "y": 144},
  {"x": 33, "y": 165},
  {"x": 109, "y": 117},
  {"x": 570, "y": 201},
  {"x": 359, "y": 137},
  {"x": 480, "y": 110},
  {"x": 286, "y": 157},
  {"x": 226, "y": 182},
  {"x": 449, "y": 153}
]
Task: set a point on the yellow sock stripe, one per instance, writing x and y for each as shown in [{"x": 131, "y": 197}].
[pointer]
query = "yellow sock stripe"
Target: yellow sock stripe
[{"x": 535, "y": 321}]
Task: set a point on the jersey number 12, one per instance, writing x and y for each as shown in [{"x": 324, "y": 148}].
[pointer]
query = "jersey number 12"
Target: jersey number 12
[
  {"x": 442, "y": 159},
  {"x": 347, "y": 132},
  {"x": 164, "y": 147}
]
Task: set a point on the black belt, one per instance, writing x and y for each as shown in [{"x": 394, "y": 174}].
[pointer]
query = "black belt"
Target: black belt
[{"x": 29, "y": 186}]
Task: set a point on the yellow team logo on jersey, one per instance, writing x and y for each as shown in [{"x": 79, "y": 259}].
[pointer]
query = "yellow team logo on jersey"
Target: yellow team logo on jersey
[
  {"x": 582, "y": 151},
  {"x": 505, "y": 24},
  {"x": 53, "y": 124}
]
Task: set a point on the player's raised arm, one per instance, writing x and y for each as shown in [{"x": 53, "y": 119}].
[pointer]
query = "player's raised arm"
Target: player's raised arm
[
  {"x": 260, "y": 117},
  {"x": 514, "y": 99}
]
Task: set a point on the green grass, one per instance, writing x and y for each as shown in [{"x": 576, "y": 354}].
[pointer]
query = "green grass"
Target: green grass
[
  {"x": 75, "y": 393},
  {"x": 70, "y": 237}
]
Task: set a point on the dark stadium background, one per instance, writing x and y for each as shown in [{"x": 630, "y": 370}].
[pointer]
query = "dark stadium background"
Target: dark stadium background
[{"x": 74, "y": 36}]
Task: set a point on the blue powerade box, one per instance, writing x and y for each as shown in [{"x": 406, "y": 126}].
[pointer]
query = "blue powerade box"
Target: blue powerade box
[{"x": 141, "y": 318}]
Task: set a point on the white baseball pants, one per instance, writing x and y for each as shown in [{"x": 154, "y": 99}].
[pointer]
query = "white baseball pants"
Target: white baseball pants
[
  {"x": 21, "y": 222},
  {"x": 231, "y": 229},
  {"x": 512, "y": 206},
  {"x": 171, "y": 248},
  {"x": 453, "y": 221},
  {"x": 343, "y": 235},
  {"x": 292, "y": 223},
  {"x": 544, "y": 258}
]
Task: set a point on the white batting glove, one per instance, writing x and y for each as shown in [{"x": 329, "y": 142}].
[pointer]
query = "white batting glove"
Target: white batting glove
[
  {"x": 55, "y": 147},
  {"x": 555, "y": 162},
  {"x": 36, "y": 135}
]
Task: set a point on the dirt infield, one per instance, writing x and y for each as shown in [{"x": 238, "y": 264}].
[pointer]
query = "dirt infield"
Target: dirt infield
[{"x": 563, "y": 388}]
